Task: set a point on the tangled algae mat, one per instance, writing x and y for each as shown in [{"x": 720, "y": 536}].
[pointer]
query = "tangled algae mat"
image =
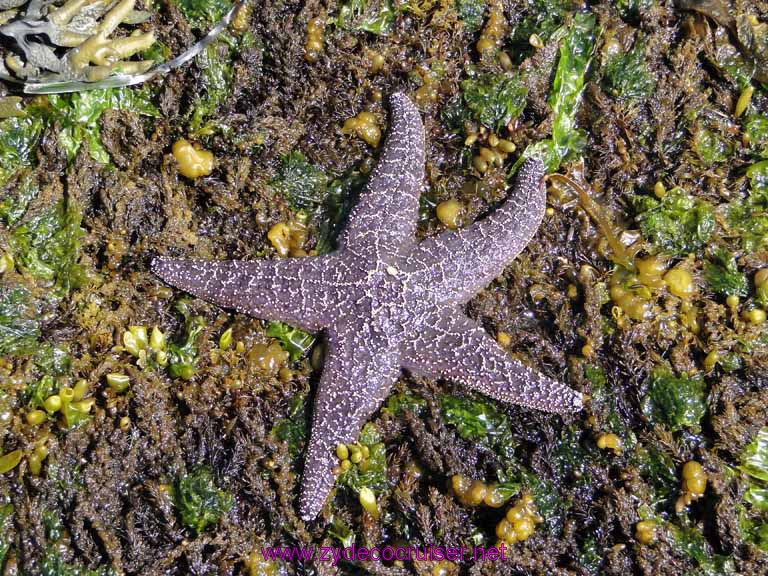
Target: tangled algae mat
[{"x": 130, "y": 450}]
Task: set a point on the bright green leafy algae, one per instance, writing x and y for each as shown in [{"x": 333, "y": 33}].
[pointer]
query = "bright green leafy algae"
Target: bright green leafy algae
[
  {"x": 478, "y": 419},
  {"x": 78, "y": 116},
  {"x": 306, "y": 187},
  {"x": 293, "y": 340},
  {"x": 217, "y": 81},
  {"x": 293, "y": 429},
  {"x": 658, "y": 469},
  {"x": 18, "y": 142},
  {"x": 36, "y": 392},
  {"x": 494, "y": 99},
  {"x": 19, "y": 326},
  {"x": 470, "y": 13},
  {"x": 183, "y": 355},
  {"x": 710, "y": 146},
  {"x": 47, "y": 247},
  {"x": 360, "y": 15},
  {"x": 543, "y": 18},
  {"x": 723, "y": 276},
  {"x": 755, "y": 457},
  {"x": 54, "y": 360},
  {"x": 53, "y": 565},
  {"x": 202, "y": 14},
  {"x": 748, "y": 218},
  {"x": 677, "y": 224},
  {"x": 565, "y": 97},
  {"x": 199, "y": 501},
  {"x": 398, "y": 403},
  {"x": 631, "y": 9},
  {"x": 675, "y": 402},
  {"x": 756, "y": 134},
  {"x": 6, "y": 517},
  {"x": 303, "y": 184},
  {"x": 627, "y": 76},
  {"x": 690, "y": 541},
  {"x": 753, "y": 520},
  {"x": 371, "y": 472}
]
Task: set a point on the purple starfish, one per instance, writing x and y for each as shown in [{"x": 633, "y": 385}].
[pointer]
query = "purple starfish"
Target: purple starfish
[{"x": 387, "y": 302}]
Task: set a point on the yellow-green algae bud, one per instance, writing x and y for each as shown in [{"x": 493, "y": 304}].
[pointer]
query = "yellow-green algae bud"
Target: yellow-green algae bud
[
  {"x": 118, "y": 382},
  {"x": 36, "y": 417},
  {"x": 225, "y": 340},
  {"x": 135, "y": 340},
  {"x": 645, "y": 531},
  {"x": 52, "y": 404},
  {"x": 680, "y": 283},
  {"x": 368, "y": 501},
  {"x": 157, "y": 339},
  {"x": 6, "y": 262},
  {"x": 192, "y": 162},
  {"x": 449, "y": 212},
  {"x": 79, "y": 390},
  {"x": 9, "y": 461},
  {"x": 364, "y": 127},
  {"x": 744, "y": 101}
]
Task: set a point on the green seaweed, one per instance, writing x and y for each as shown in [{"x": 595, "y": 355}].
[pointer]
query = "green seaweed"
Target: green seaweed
[
  {"x": 471, "y": 13},
  {"x": 19, "y": 323},
  {"x": 675, "y": 402},
  {"x": 18, "y": 142},
  {"x": 202, "y": 14},
  {"x": 293, "y": 429},
  {"x": 753, "y": 517},
  {"x": 494, "y": 99},
  {"x": 301, "y": 183},
  {"x": 54, "y": 360},
  {"x": 677, "y": 224},
  {"x": 293, "y": 340},
  {"x": 182, "y": 356},
  {"x": 216, "y": 66},
  {"x": 756, "y": 134},
  {"x": 47, "y": 247},
  {"x": 363, "y": 16},
  {"x": 372, "y": 471},
  {"x": 541, "y": 17},
  {"x": 330, "y": 215},
  {"x": 77, "y": 115},
  {"x": 626, "y": 75},
  {"x": 723, "y": 276},
  {"x": 748, "y": 218},
  {"x": 53, "y": 565},
  {"x": 690, "y": 541},
  {"x": 576, "y": 50},
  {"x": 199, "y": 500},
  {"x": 36, "y": 392},
  {"x": 399, "y": 403},
  {"x": 710, "y": 146},
  {"x": 631, "y": 9},
  {"x": 6, "y": 519},
  {"x": 658, "y": 469},
  {"x": 478, "y": 419}
]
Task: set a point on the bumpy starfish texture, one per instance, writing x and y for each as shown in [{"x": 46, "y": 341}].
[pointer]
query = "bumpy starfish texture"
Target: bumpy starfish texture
[{"x": 387, "y": 302}]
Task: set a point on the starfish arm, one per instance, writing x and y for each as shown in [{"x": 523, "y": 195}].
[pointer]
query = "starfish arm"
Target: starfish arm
[
  {"x": 454, "y": 347},
  {"x": 358, "y": 374},
  {"x": 383, "y": 221},
  {"x": 458, "y": 264},
  {"x": 298, "y": 291}
]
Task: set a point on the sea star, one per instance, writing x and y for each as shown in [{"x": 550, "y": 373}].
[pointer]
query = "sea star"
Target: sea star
[{"x": 386, "y": 301}]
